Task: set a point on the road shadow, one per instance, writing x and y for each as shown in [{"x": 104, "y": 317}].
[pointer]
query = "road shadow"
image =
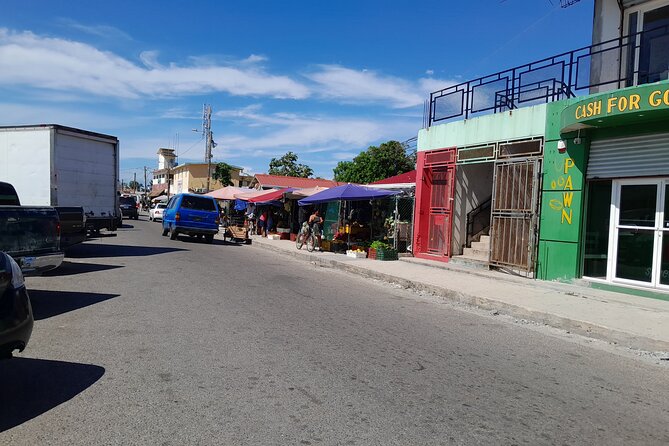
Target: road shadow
[
  {"x": 47, "y": 304},
  {"x": 70, "y": 268},
  {"x": 92, "y": 250},
  {"x": 31, "y": 387},
  {"x": 185, "y": 238},
  {"x": 126, "y": 226}
]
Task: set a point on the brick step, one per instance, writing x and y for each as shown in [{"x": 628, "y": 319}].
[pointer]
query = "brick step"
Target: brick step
[{"x": 485, "y": 238}]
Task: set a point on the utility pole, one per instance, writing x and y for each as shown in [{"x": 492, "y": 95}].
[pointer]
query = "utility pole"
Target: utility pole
[
  {"x": 134, "y": 182},
  {"x": 206, "y": 130}
]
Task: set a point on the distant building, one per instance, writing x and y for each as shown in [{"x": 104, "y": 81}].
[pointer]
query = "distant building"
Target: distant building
[
  {"x": 264, "y": 181},
  {"x": 187, "y": 177}
]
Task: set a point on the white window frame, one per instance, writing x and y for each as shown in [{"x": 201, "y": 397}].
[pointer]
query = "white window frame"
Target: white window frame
[
  {"x": 659, "y": 232},
  {"x": 641, "y": 10}
]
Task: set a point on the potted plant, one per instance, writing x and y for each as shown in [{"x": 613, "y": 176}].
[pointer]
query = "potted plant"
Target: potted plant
[{"x": 381, "y": 251}]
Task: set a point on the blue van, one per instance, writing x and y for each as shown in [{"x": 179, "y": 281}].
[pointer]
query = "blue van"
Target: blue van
[{"x": 193, "y": 215}]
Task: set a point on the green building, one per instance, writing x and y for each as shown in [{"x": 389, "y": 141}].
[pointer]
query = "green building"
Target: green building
[
  {"x": 605, "y": 193},
  {"x": 557, "y": 169}
]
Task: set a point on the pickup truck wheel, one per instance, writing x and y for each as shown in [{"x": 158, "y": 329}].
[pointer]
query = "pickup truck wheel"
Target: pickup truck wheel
[
  {"x": 209, "y": 238},
  {"x": 164, "y": 232},
  {"x": 173, "y": 234}
]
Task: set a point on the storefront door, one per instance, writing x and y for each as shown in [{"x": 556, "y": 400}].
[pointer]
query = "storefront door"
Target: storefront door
[
  {"x": 515, "y": 204},
  {"x": 639, "y": 253},
  {"x": 441, "y": 199},
  {"x": 435, "y": 186}
]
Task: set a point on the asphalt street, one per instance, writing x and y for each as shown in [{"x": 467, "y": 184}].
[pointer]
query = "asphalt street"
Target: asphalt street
[{"x": 142, "y": 340}]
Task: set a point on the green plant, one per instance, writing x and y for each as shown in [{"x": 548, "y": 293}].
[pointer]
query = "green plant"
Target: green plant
[{"x": 380, "y": 245}]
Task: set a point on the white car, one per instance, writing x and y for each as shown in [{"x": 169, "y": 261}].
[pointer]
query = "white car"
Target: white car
[{"x": 156, "y": 212}]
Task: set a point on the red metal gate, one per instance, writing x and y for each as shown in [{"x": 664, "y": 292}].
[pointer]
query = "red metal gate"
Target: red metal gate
[{"x": 434, "y": 201}]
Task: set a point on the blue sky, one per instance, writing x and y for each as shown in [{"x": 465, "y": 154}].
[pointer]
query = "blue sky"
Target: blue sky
[{"x": 322, "y": 79}]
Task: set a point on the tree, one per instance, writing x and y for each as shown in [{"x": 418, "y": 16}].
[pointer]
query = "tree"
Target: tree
[
  {"x": 223, "y": 173},
  {"x": 134, "y": 185},
  {"x": 376, "y": 163},
  {"x": 287, "y": 166}
]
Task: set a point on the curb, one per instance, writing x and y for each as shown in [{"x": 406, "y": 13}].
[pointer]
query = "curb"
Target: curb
[{"x": 582, "y": 328}]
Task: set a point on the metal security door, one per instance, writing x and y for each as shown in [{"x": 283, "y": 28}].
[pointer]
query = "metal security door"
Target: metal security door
[
  {"x": 441, "y": 200},
  {"x": 515, "y": 203}
]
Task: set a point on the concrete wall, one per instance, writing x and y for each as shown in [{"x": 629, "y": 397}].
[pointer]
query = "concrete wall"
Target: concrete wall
[
  {"x": 472, "y": 187},
  {"x": 515, "y": 124},
  {"x": 605, "y": 26}
]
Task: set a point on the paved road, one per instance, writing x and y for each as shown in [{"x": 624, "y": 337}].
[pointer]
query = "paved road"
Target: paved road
[{"x": 143, "y": 340}]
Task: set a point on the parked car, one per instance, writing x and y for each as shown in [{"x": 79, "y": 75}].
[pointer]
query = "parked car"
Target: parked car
[
  {"x": 129, "y": 207},
  {"x": 193, "y": 215},
  {"x": 16, "y": 315},
  {"x": 30, "y": 234},
  {"x": 156, "y": 212}
]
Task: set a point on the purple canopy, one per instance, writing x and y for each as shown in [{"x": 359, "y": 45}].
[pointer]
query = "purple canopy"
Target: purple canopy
[{"x": 346, "y": 192}]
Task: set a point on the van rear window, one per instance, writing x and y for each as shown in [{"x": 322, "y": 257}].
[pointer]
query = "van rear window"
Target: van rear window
[{"x": 198, "y": 203}]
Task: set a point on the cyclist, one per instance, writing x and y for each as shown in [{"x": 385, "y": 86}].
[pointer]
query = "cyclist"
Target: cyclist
[{"x": 315, "y": 220}]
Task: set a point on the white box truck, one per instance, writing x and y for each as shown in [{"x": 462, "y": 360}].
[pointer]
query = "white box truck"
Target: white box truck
[{"x": 63, "y": 167}]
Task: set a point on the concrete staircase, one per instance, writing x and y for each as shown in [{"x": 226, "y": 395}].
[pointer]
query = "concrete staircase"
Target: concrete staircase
[{"x": 477, "y": 256}]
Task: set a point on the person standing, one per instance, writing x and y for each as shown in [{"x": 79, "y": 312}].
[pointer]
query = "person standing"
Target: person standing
[
  {"x": 270, "y": 222},
  {"x": 262, "y": 223}
]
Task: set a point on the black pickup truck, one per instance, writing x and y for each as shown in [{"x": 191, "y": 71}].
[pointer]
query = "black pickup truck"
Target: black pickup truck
[{"x": 29, "y": 234}]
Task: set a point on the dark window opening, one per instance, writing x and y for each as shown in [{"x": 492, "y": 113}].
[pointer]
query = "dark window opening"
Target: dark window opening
[{"x": 597, "y": 229}]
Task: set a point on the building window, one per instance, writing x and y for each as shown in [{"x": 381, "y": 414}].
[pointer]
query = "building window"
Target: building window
[{"x": 597, "y": 229}]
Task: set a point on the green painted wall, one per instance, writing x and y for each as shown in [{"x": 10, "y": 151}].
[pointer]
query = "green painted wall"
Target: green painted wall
[
  {"x": 563, "y": 187},
  {"x": 563, "y": 201},
  {"x": 525, "y": 122}
]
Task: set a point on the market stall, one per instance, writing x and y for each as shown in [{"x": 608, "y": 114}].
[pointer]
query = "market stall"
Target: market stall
[{"x": 352, "y": 217}]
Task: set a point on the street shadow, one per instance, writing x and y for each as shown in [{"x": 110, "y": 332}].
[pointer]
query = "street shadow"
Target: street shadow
[
  {"x": 47, "y": 304},
  {"x": 216, "y": 241},
  {"x": 31, "y": 387},
  {"x": 70, "y": 268},
  {"x": 126, "y": 226},
  {"x": 91, "y": 250}
]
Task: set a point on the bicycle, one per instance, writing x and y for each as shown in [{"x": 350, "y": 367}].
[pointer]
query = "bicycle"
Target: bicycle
[{"x": 306, "y": 236}]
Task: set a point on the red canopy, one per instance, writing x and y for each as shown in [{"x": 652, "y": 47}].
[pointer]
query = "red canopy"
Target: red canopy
[{"x": 271, "y": 196}]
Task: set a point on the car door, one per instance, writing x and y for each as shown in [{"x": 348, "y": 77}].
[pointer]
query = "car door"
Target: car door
[{"x": 198, "y": 212}]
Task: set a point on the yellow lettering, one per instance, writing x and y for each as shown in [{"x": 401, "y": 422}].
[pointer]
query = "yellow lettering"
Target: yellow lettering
[
  {"x": 568, "y": 185},
  {"x": 579, "y": 115},
  {"x": 666, "y": 97},
  {"x": 567, "y": 198},
  {"x": 610, "y": 104},
  {"x": 622, "y": 104},
  {"x": 654, "y": 100},
  {"x": 568, "y": 164},
  {"x": 597, "y": 107},
  {"x": 566, "y": 216},
  {"x": 555, "y": 204},
  {"x": 634, "y": 101}
]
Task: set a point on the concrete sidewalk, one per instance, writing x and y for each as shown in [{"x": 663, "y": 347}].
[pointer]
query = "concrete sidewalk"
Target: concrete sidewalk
[{"x": 630, "y": 321}]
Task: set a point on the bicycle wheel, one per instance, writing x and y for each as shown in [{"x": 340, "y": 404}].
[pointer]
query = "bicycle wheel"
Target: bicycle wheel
[
  {"x": 311, "y": 243},
  {"x": 299, "y": 240}
]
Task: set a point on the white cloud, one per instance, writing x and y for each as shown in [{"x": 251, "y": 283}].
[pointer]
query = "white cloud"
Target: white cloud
[
  {"x": 364, "y": 86},
  {"x": 360, "y": 86},
  {"x": 52, "y": 63},
  {"x": 12, "y": 114},
  {"x": 104, "y": 31},
  {"x": 311, "y": 134}
]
